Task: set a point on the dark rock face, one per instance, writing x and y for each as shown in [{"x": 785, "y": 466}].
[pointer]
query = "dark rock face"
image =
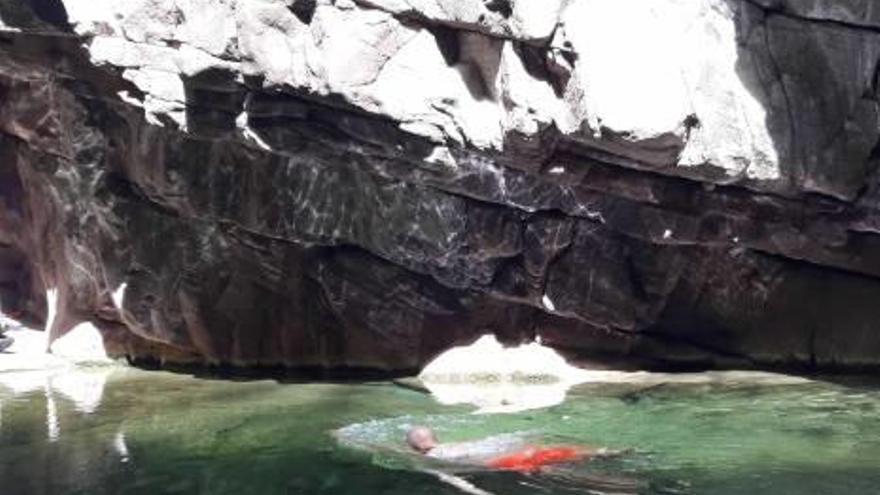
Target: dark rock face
[{"x": 266, "y": 213}]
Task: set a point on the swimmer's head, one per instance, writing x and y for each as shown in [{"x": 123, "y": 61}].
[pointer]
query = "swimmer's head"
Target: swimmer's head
[{"x": 421, "y": 439}]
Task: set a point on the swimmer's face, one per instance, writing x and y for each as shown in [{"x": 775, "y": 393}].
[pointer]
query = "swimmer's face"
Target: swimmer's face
[{"x": 421, "y": 439}]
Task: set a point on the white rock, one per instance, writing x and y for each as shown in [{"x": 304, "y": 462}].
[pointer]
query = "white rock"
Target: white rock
[
  {"x": 653, "y": 81},
  {"x": 498, "y": 379},
  {"x": 80, "y": 345},
  {"x": 645, "y": 67}
]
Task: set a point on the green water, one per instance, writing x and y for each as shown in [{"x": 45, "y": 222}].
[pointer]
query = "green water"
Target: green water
[{"x": 126, "y": 431}]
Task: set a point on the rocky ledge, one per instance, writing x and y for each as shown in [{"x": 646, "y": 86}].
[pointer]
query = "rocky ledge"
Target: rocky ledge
[{"x": 365, "y": 183}]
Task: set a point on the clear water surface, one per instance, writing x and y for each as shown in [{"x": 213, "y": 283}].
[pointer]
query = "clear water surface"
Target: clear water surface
[{"x": 126, "y": 431}]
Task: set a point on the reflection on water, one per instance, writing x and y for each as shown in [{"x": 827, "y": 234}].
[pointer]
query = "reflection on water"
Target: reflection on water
[
  {"x": 52, "y": 428},
  {"x": 121, "y": 447},
  {"x": 118, "y": 430},
  {"x": 43, "y": 447},
  {"x": 83, "y": 387}
]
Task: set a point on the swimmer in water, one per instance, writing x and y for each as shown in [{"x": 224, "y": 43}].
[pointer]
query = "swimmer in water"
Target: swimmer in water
[{"x": 509, "y": 453}]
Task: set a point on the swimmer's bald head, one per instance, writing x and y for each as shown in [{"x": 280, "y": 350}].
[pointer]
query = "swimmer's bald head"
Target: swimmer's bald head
[{"x": 421, "y": 439}]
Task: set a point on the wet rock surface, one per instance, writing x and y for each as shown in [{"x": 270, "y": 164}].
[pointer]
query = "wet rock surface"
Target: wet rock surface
[{"x": 363, "y": 184}]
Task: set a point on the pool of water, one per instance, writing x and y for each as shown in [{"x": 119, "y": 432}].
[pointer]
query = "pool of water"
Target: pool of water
[{"x": 125, "y": 431}]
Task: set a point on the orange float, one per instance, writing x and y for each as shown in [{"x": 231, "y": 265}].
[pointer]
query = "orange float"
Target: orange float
[{"x": 533, "y": 458}]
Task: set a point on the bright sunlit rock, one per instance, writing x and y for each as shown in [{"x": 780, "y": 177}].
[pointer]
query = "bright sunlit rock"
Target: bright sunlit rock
[
  {"x": 646, "y": 66},
  {"x": 498, "y": 379},
  {"x": 82, "y": 344},
  {"x": 118, "y": 295},
  {"x": 51, "y": 310}
]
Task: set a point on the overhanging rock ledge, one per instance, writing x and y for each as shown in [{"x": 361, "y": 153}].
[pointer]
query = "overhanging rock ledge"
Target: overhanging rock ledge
[{"x": 363, "y": 184}]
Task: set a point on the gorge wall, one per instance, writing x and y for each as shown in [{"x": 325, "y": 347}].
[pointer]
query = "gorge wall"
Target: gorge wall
[{"x": 364, "y": 183}]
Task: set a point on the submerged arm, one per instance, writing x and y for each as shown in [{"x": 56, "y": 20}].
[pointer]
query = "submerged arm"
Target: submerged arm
[{"x": 457, "y": 482}]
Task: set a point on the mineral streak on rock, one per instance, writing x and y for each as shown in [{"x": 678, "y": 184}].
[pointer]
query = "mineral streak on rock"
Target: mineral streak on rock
[{"x": 365, "y": 183}]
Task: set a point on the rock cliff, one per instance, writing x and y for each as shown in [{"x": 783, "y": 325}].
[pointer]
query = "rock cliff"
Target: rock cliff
[{"x": 364, "y": 183}]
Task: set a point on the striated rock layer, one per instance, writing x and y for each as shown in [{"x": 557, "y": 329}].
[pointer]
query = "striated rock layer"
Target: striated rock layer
[{"x": 365, "y": 183}]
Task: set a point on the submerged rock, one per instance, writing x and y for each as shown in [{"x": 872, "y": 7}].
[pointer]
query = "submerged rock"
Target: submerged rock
[{"x": 366, "y": 183}]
